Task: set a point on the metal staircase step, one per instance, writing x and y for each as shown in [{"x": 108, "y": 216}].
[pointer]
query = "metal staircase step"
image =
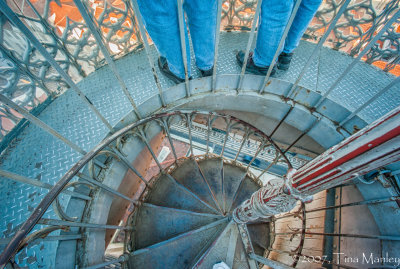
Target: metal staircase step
[
  {"x": 155, "y": 223},
  {"x": 177, "y": 252},
  {"x": 212, "y": 171},
  {"x": 166, "y": 192},
  {"x": 245, "y": 190},
  {"x": 189, "y": 175},
  {"x": 233, "y": 176},
  {"x": 206, "y": 250},
  {"x": 217, "y": 251}
]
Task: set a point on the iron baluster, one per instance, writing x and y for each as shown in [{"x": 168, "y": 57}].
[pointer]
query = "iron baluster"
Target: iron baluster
[
  {"x": 312, "y": 125},
  {"x": 228, "y": 128},
  {"x": 39, "y": 184},
  {"x": 165, "y": 126},
  {"x": 281, "y": 42},
  {"x": 260, "y": 148},
  {"x": 4, "y": 241},
  {"x": 26, "y": 71},
  {"x": 105, "y": 187},
  {"x": 129, "y": 166},
  {"x": 269, "y": 166},
  {"x": 43, "y": 125},
  {"x": 249, "y": 43},
  {"x": 208, "y": 133},
  {"x": 188, "y": 118},
  {"x": 282, "y": 120},
  {"x": 319, "y": 45},
  {"x": 217, "y": 36},
  {"x": 147, "y": 49},
  {"x": 358, "y": 59},
  {"x": 56, "y": 222},
  {"x": 372, "y": 99},
  {"x": 182, "y": 29},
  {"x": 146, "y": 142},
  {"x": 244, "y": 139},
  {"x": 99, "y": 40}
]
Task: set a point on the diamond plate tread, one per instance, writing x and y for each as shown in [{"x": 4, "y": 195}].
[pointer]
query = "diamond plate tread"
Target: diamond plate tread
[
  {"x": 36, "y": 154},
  {"x": 356, "y": 88},
  {"x": 155, "y": 224}
]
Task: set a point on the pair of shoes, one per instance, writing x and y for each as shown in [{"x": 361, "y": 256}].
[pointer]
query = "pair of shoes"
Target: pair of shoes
[
  {"x": 251, "y": 67},
  {"x": 163, "y": 65},
  {"x": 284, "y": 60},
  {"x": 207, "y": 73}
]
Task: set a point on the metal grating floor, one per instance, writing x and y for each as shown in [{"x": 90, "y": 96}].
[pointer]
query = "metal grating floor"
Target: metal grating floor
[{"x": 36, "y": 154}]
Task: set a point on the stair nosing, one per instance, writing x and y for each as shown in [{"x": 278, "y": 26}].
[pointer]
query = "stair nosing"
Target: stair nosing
[
  {"x": 227, "y": 227},
  {"x": 182, "y": 210},
  {"x": 181, "y": 186},
  {"x": 209, "y": 188},
  {"x": 178, "y": 237}
]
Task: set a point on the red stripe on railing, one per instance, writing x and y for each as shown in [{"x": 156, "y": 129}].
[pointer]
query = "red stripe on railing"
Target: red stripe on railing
[
  {"x": 360, "y": 167},
  {"x": 361, "y": 150}
]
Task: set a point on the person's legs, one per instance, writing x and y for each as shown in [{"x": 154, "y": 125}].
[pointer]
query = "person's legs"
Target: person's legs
[
  {"x": 161, "y": 21},
  {"x": 273, "y": 20},
  {"x": 304, "y": 15},
  {"x": 202, "y": 19}
]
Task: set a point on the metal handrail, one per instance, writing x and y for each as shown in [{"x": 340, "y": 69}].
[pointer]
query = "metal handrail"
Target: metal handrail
[
  {"x": 382, "y": 18},
  {"x": 45, "y": 203}
]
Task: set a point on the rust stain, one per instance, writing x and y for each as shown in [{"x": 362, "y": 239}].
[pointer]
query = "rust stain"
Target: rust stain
[{"x": 355, "y": 129}]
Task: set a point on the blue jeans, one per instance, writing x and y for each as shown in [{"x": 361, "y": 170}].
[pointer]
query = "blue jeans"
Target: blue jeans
[
  {"x": 162, "y": 23},
  {"x": 274, "y": 17}
]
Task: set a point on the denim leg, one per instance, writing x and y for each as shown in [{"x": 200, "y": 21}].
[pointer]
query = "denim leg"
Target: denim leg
[
  {"x": 202, "y": 20},
  {"x": 306, "y": 12},
  {"x": 274, "y": 17},
  {"x": 161, "y": 21}
]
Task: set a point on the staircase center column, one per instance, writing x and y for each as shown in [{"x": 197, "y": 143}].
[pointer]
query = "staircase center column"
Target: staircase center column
[{"x": 376, "y": 145}]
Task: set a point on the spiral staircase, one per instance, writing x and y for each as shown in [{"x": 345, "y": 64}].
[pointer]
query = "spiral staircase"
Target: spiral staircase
[
  {"x": 136, "y": 172},
  {"x": 185, "y": 218}
]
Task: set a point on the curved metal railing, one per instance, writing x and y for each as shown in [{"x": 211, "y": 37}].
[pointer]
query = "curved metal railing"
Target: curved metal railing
[
  {"x": 48, "y": 46},
  {"x": 35, "y": 72},
  {"x": 202, "y": 134},
  {"x": 241, "y": 138}
]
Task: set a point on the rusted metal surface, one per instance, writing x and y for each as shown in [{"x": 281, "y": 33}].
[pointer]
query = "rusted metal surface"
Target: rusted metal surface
[
  {"x": 248, "y": 247},
  {"x": 302, "y": 215}
]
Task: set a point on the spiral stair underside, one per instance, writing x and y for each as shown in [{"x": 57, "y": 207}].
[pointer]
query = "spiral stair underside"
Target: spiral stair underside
[{"x": 184, "y": 221}]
